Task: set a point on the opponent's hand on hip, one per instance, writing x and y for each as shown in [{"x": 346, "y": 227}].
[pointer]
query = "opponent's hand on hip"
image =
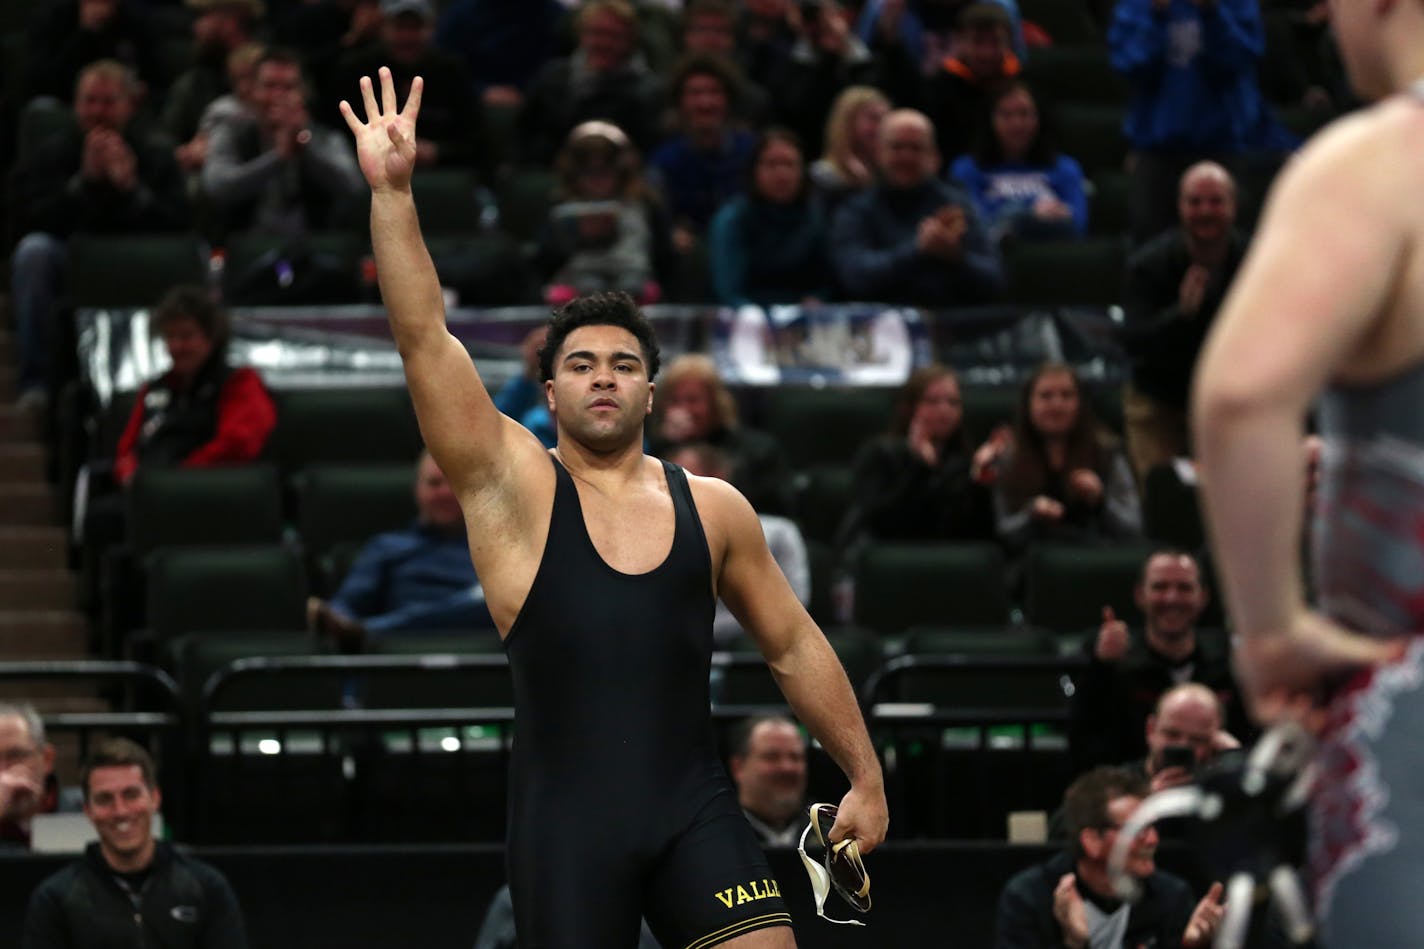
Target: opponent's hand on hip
[
  {"x": 385, "y": 142},
  {"x": 1288, "y": 675},
  {"x": 864, "y": 815}
]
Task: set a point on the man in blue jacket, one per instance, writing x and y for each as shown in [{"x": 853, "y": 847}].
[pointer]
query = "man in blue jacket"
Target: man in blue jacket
[
  {"x": 416, "y": 579},
  {"x": 912, "y": 238},
  {"x": 1192, "y": 67}
]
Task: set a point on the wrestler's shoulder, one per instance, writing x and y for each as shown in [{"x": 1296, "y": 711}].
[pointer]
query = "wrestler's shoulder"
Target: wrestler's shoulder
[{"x": 1370, "y": 140}]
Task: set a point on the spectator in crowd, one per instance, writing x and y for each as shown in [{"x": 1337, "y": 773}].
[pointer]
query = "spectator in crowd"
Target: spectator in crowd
[
  {"x": 768, "y": 245},
  {"x": 826, "y": 58},
  {"x": 1192, "y": 68},
  {"x": 129, "y": 886},
  {"x": 693, "y": 404},
  {"x": 783, "y": 537},
  {"x": 200, "y": 413},
  {"x": 452, "y": 129},
  {"x": 103, "y": 176},
  {"x": 419, "y": 579},
  {"x": 68, "y": 35},
  {"x": 847, "y": 163},
  {"x": 1023, "y": 187},
  {"x": 502, "y": 44},
  {"x": 1185, "y": 732},
  {"x": 916, "y": 482},
  {"x": 1127, "y": 674},
  {"x": 606, "y": 229},
  {"x": 1061, "y": 477},
  {"x": 768, "y": 766},
  {"x": 220, "y": 27},
  {"x": 605, "y": 78},
  {"x": 1174, "y": 287},
  {"x": 764, "y": 39},
  {"x": 522, "y": 397},
  {"x": 28, "y": 786},
  {"x": 1068, "y": 900},
  {"x": 709, "y": 28},
  {"x": 911, "y": 38},
  {"x": 912, "y": 238},
  {"x": 239, "y": 104},
  {"x": 705, "y": 164},
  {"x": 959, "y": 94},
  {"x": 280, "y": 173}
]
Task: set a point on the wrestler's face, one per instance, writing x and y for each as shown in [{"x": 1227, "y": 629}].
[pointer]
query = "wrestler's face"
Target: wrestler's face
[
  {"x": 1171, "y": 596},
  {"x": 771, "y": 777},
  {"x": 121, "y": 807},
  {"x": 600, "y": 393}
]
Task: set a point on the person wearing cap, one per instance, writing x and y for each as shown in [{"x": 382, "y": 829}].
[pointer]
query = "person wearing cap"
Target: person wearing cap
[
  {"x": 959, "y": 94},
  {"x": 219, "y": 28},
  {"x": 452, "y": 128}
]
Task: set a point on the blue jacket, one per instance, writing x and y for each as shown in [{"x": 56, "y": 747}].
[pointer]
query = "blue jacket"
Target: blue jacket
[
  {"x": 1007, "y": 191},
  {"x": 875, "y": 255},
  {"x": 764, "y": 254},
  {"x": 414, "y": 579},
  {"x": 694, "y": 182},
  {"x": 1193, "y": 73}
]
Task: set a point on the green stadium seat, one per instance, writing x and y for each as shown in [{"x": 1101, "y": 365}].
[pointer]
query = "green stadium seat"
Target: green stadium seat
[
  {"x": 480, "y": 687},
  {"x": 200, "y": 589},
  {"x": 1092, "y": 134},
  {"x": 40, "y": 120},
  {"x": 131, "y": 269},
  {"x": 337, "y": 252},
  {"x": 1084, "y": 272},
  {"x": 349, "y": 504},
  {"x": 195, "y": 506},
  {"x": 898, "y": 586},
  {"x": 824, "y": 494},
  {"x": 1066, "y": 587},
  {"x": 1068, "y": 22},
  {"x": 195, "y": 657},
  {"x": 826, "y": 426},
  {"x": 484, "y": 269},
  {"x": 1075, "y": 74},
  {"x": 524, "y": 197},
  {"x": 1109, "y": 208},
  {"x": 988, "y": 407},
  {"x": 345, "y": 426},
  {"x": 446, "y": 201}
]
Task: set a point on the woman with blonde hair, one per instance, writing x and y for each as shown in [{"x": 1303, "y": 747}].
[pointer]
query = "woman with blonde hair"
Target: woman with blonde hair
[
  {"x": 693, "y": 405},
  {"x": 848, "y": 163}
]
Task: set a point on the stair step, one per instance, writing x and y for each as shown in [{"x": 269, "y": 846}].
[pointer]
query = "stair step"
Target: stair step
[
  {"x": 43, "y": 634},
  {"x": 17, "y": 425},
  {"x": 33, "y": 548},
  {"x": 36, "y": 590},
  {"x": 28, "y": 505},
  {"x": 21, "y": 461}
]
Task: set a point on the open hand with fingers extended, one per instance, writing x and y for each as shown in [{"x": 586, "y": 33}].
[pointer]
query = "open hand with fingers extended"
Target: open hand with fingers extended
[{"x": 385, "y": 142}]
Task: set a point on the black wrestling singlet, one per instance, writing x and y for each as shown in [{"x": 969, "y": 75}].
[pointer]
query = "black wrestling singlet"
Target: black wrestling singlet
[{"x": 619, "y": 805}]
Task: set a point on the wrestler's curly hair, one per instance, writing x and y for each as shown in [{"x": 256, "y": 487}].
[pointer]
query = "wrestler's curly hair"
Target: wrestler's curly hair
[{"x": 613, "y": 308}]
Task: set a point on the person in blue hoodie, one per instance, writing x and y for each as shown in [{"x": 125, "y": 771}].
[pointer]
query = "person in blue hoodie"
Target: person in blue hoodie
[
  {"x": 913, "y": 238},
  {"x": 1021, "y": 185},
  {"x": 768, "y": 245},
  {"x": 1192, "y": 67}
]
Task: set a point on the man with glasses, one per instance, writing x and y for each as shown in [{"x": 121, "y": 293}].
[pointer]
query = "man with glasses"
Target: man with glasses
[
  {"x": 27, "y": 782},
  {"x": 1069, "y": 901}
]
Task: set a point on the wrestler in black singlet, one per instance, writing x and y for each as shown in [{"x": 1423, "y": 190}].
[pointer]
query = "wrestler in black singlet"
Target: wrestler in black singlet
[{"x": 619, "y": 805}]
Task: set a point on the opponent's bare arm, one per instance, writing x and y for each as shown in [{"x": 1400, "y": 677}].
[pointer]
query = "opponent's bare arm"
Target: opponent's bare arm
[
  {"x": 1309, "y": 296},
  {"x": 803, "y": 663},
  {"x": 469, "y": 438}
]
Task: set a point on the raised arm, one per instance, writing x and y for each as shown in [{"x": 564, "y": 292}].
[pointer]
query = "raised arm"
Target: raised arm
[
  {"x": 803, "y": 664},
  {"x": 464, "y": 431}
]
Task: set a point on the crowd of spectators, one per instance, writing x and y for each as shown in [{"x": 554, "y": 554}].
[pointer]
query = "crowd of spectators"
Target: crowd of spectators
[{"x": 892, "y": 151}]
